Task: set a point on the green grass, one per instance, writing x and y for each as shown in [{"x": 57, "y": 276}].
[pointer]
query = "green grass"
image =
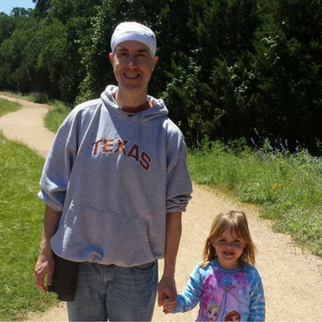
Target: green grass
[
  {"x": 6, "y": 106},
  {"x": 21, "y": 223},
  {"x": 55, "y": 116},
  {"x": 20, "y": 231},
  {"x": 288, "y": 187}
]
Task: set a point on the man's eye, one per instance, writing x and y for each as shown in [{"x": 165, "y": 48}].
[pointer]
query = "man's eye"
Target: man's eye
[{"x": 141, "y": 56}]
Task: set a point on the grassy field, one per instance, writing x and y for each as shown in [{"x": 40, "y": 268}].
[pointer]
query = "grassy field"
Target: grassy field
[
  {"x": 6, "y": 106},
  {"x": 20, "y": 228},
  {"x": 55, "y": 116},
  {"x": 21, "y": 220}
]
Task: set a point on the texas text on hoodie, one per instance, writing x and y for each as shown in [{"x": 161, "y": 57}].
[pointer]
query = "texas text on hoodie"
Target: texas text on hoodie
[{"x": 114, "y": 176}]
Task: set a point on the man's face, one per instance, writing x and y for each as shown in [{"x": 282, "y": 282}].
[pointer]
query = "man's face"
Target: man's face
[{"x": 133, "y": 66}]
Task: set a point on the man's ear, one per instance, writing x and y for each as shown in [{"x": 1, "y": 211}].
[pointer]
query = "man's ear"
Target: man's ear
[
  {"x": 111, "y": 57},
  {"x": 155, "y": 61}
]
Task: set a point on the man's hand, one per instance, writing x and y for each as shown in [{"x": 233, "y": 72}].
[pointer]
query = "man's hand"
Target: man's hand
[
  {"x": 167, "y": 291},
  {"x": 45, "y": 267},
  {"x": 167, "y": 287}
]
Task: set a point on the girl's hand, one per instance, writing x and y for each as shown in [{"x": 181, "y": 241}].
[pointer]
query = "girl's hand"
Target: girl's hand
[{"x": 169, "y": 305}]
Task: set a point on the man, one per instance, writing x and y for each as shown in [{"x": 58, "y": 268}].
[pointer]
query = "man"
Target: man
[{"x": 115, "y": 183}]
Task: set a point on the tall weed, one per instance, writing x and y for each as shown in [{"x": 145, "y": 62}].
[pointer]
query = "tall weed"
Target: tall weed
[{"x": 56, "y": 116}]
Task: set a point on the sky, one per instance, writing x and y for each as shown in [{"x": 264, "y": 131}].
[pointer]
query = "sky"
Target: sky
[{"x": 7, "y": 5}]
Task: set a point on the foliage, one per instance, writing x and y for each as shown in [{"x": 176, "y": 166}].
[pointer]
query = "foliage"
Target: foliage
[
  {"x": 288, "y": 71},
  {"x": 226, "y": 67}
]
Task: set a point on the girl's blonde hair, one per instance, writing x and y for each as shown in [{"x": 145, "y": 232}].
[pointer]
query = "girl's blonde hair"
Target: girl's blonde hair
[{"x": 236, "y": 221}]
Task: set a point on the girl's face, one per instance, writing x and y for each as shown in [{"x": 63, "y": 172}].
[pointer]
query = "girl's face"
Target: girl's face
[{"x": 229, "y": 247}]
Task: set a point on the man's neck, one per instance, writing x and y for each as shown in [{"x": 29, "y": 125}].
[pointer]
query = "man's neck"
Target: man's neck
[{"x": 130, "y": 100}]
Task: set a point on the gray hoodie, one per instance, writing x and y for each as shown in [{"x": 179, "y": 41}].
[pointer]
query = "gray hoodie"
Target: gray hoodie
[{"x": 114, "y": 176}]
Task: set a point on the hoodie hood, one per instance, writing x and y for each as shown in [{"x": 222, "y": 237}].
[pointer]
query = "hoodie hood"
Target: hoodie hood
[{"x": 158, "y": 110}]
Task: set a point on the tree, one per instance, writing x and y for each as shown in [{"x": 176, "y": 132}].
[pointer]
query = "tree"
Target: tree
[
  {"x": 288, "y": 65},
  {"x": 7, "y": 26},
  {"x": 224, "y": 33},
  {"x": 13, "y": 74}
]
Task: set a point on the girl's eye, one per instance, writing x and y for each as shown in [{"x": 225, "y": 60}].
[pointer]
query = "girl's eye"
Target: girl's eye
[{"x": 236, "y": 243}]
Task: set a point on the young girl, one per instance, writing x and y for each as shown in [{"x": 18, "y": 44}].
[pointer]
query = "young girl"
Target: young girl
[{"x": 227, "y": 285}]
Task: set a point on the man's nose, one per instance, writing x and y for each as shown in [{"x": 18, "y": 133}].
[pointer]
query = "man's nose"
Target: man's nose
[{"x": 131, "y": 61}]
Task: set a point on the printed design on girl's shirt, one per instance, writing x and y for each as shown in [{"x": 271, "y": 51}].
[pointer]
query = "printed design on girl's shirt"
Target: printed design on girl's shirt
[
  {"x": 232, "y": 316},
  {"x": 224, "y": 296},
  {"x": 125, "y": 147},
  {"x": 212, "y": 311}
]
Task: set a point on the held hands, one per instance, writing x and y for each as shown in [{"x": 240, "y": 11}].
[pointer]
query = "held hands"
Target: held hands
[
  {"x": 169, "y": 304},
  {"x": 167, "y": 294}
]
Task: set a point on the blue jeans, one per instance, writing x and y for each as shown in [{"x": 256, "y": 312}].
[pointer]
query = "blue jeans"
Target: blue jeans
[{"x": 109, "y": 292}]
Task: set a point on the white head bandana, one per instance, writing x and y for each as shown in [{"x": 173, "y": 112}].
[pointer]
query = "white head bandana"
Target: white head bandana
[{"x": 127, "y": 31}]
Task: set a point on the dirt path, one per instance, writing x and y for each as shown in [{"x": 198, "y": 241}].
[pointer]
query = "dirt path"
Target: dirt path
[
  {"x": 27, "y": 125},
  {"x": 292, "y": 278}
]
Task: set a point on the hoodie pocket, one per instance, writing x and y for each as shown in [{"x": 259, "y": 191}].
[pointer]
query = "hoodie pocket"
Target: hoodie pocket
[{"x": 93, "y": 235}]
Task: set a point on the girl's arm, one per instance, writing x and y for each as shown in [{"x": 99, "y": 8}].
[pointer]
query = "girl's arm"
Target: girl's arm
[
  {"x": 191, "y": 295},
  {"x": 257, "y": 299}
]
